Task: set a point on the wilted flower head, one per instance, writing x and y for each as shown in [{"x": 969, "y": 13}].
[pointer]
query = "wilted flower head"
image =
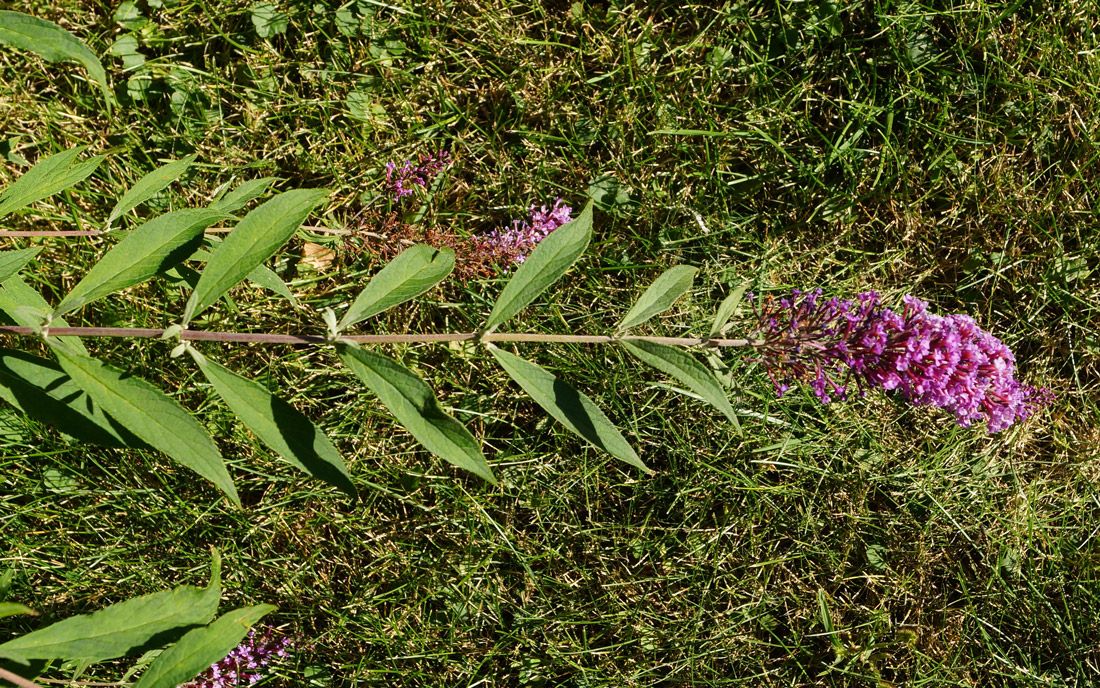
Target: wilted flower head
[
  {"x": 507, "y": 246},
  {"x": 401, "y": 178},
  {"x": 943, "y": 361},
  {"x": 241, "y": 667}
]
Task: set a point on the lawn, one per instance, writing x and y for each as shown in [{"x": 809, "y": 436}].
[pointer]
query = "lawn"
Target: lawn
[{"x": 942, "y": 149}]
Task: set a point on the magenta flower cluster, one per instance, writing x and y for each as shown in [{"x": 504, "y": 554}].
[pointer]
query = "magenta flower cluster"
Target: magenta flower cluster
[
  {"x": 511, "y": 245},
  {"x": 930, "y": 360},
  {"x": 241, "y": 667},
  {"x": 401, "y": 178}
]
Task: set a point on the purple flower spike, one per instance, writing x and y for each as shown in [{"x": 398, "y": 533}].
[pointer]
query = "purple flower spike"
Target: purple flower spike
[
  {"x": 508, "y": 246},
  {"x": 943, "y": 361},
  {"x": 401, "y": 179},
  {"x": 241, "y": 667}
]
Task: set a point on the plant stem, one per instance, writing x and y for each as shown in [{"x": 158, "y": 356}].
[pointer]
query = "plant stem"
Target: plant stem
[
  {"x": 16, "y": 679},
  {"x": 262, "y": 338}
]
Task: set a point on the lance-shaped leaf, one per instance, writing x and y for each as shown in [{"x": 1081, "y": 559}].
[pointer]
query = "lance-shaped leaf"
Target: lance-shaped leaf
[
  {"x": 407, "y": 276},
  {"x": 201, "y": 648},
  {"x": 149, "y": 185},
  {"x": 261, "y": 275},
  {"x": 568, "y": 406},
  {"x": 15, "y": 609},
  {"x": 665, "y": 290},
  {"x": 414, "y": 405},
  {"x": 157, "y": 245},
  {"x": 53, "y": 174},
  {"x": 683, "y": 366},
  {"x": 52, "y": 43},
  {"x": 115, "y": 631},
  {"x": 40, "y": 388},
  {"x": 12, "y": 262},
  {"x": 549, "y": 261},
  {"x": 245, "y": 192},
  {"x": 252, "y": 241},
  {"x": 278, "y": 425},
  {"x": 16, "y": 297},
  {"x": 150, "y": 414},
  {"x": 726, "y": 309}
]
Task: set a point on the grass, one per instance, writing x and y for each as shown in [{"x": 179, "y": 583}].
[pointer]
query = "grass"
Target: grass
[{"x": 943, "y": 149}]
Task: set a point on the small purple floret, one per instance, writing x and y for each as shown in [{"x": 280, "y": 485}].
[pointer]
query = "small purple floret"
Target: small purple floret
[
  {"x": 241, "y": 667},
  {"x": 931, "y": 360},
  {"x": 508, "y": 246},
  {"x": 401, "y": 178}
]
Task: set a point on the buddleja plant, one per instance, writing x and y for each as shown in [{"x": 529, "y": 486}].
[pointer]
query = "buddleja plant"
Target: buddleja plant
[{"x": 948, "y": 362}]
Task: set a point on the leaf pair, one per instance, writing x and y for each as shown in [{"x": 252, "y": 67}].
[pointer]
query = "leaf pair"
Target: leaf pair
[
  {"x": 181, "y": 617},
  {"x": 549, "y": 260}
]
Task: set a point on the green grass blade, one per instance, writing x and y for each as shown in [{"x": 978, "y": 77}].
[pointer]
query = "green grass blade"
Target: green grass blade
[
  {"x": 53, "y": 43},
  {"x": 726, "y": 309},
  {"x": 255, "y": 239},
  {"x": 118, "y": 629},
  {"x": 15, "y": 295},
  {"x": 201, "y": 647},
  {"x": 568, "y": 406},
  {"x": 150, "y": 414},
  {"x": 414, "y": 405},
  {"x": 157, "y": 245},
  {"x": 240, "y": 196},
  {"x": 278, "y": 425},
  {"x": 53, "y": 174},
  {"x": 659, "y": 297},
  {"x": 551, "y": 258},
  {"x": 682, "y": 365},
  {"x": 12, "y": 262},
  {"x": 149, "y": 185},
  {"x": 407, "y": 276},
  {"x": 40, "y": 388}
]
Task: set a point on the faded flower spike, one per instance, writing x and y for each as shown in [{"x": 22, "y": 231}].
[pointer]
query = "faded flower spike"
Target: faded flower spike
[
  {"x": 511, "y": 246},
  {"x": 241, "y": 667},
  {"x": 943, "y": 361},
  {"x": 401, "y": 179}
]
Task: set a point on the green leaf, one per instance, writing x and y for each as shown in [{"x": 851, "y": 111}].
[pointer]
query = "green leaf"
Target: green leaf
[
  {"x": 240, "y": 196},
  {"x": 12, "y": 262},
  {"x": 157, "y": 245},
  {"x": 683, "y": 366},
  {"x": 414, "y": 405},
  {"x": 571, "y": 408},
  {"x": 52, "y": 43},
  {"x": 659, "y": 297},
  {"x": 5, "y": 583},
  {"x": 267, "y": 278},
  {"x": 13, "y": 609},
  {"x": 278, "y": 425},
  {"x": 40, "y": 388},
  {"x": 252, "y": 241},
  {"x": 149, "y": 185},
  {"x": 118, "y": 629},
  {"x": 549, "y": 261},
  {"x": 262, "y": 276},
  {"x": 201, "y": 647},
  {"x": 150, "y": 414},
  {"x": 726, "y": 310},
  {"x": 268, "y": 20},
  {"x": 16, "y": 295},
  {"x": 53, "y": 174},
  {"x": 407, "y": 276}
]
